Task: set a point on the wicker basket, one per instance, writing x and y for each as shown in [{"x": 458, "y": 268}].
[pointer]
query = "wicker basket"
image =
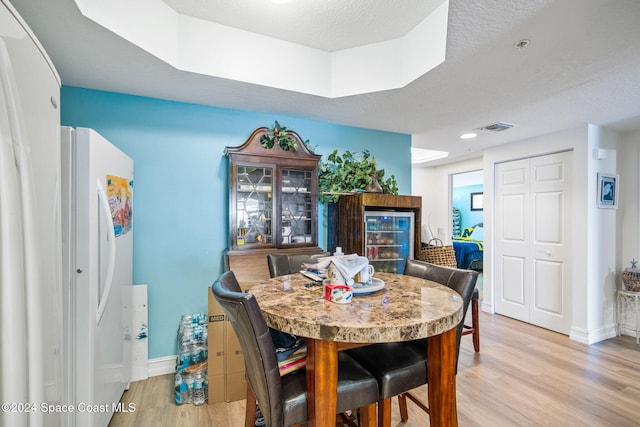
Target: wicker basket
[
  {"x": 438, "y": 254},
  {"x": 631, "y": 280}
]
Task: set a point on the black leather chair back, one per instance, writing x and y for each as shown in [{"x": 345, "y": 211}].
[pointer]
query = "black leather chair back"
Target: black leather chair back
[
  {"x": 461, "y": 281},
  {"x": 261, "y": 364},
  {"x": 281, "y": 264}
]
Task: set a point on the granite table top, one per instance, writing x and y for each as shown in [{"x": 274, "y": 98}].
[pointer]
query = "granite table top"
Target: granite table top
[{"x": 407, "y": 308}]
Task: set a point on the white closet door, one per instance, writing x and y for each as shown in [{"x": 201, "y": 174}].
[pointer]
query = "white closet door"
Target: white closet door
[
  {"x": 533, "y": 240},
  {"x": 551, "y": 241},
  {"x": 512, "y": 239}
]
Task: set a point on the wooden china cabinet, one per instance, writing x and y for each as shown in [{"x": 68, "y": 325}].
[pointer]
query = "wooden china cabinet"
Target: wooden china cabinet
[{"x": 273, "y": 203}]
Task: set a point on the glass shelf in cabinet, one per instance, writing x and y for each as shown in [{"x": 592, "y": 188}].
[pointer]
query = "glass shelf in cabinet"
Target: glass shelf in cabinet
[{"x": 295, "y": 190}]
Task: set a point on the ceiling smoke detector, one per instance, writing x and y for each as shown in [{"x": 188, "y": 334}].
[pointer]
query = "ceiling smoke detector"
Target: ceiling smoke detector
[{"x": 495, "y": 127}]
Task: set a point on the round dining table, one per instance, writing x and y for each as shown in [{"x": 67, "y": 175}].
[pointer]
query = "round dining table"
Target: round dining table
[{"x": 406, "y": 308}]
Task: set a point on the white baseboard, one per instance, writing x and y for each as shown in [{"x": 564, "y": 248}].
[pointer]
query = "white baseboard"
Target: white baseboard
[
  {"x": 162, "y": 366},
  {"x": 628, "y": 330},
  {"x": 487, "y": 307},
  {"x": 592, "y": 336}
]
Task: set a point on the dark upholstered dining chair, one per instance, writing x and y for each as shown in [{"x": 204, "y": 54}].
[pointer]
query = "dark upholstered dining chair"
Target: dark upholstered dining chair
[
  {"x": 474, "y": 328},
  {"x": 281, "y": 264},
  {"x": 282, "y": 400},
  {"x": 401, "y": 367}
]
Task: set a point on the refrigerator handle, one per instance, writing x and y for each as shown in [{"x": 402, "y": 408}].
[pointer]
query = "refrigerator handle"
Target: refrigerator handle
[{"x": 103, "y": 203}]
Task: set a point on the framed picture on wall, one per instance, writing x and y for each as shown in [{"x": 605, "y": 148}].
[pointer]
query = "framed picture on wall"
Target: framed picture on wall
[
  {"x": 608, "y": 190},
  {"x": 476, "y": 201}
]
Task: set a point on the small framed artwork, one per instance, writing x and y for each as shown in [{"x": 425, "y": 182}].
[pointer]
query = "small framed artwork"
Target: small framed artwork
[
  {"x": 476, "y": 201},
  {"x": 608, "y": 190}
]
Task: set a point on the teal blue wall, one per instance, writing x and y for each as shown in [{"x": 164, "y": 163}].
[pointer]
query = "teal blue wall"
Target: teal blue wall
[
  {"x": 461, "y": 199},
  {"x": 181, "y": 187}
]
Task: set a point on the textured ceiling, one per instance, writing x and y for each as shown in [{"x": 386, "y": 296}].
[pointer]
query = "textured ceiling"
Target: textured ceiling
[{"x": 581, "y": 67}]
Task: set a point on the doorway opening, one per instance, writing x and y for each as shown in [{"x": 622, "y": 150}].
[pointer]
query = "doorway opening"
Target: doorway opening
[{"x": 467, "y": 221}]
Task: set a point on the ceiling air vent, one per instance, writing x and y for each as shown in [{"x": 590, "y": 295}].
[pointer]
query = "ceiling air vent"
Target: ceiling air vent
[{"x": 495, "y": 127}]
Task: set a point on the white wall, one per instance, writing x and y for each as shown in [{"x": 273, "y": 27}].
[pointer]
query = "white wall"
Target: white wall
[{"x": 602, "y": 243}]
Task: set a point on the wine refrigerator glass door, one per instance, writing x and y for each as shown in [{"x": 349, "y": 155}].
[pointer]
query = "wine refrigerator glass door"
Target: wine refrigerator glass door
[{"x": 389, "y": 240}]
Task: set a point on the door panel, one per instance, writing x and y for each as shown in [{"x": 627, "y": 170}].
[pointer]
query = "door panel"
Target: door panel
[
  {"x": 513, "y": 225},
  {"x": 533, "y": 241},
  {"x": 512, "y": 248},
  {"x": 551, "y": 247},
  {"x": 548, "y": 205},
  {"x": 513, "y": 273},
  {"x": 547, "y": 293}
]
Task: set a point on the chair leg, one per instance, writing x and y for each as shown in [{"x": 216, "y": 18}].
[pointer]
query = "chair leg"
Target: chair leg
[
  {"x": 476, "y": 325},
  {"x": 367, "y": 416},
  {"x": 384, "y": 412},
  {"x": 250, "y": 408},
  {"x": 474, "y": 328},
  {"x": 402, "y": 404},
  {"x": 417, "y": 401}
]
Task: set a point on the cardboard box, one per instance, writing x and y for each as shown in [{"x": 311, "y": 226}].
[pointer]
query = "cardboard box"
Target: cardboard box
[
  {"x": 226, "y": 361},
  {"x": 215, "y": 362},
  {"x": 215, "y": 337},
  {"x": 216, "y": 389},
  {"x": 216, "y": 340},
  {"x": 235, "y": 387},
  {"x": 234, "y": 359}
]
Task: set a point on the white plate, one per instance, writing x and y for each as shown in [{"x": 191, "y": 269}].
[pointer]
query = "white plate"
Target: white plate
[{"x": 360, "y": 289}]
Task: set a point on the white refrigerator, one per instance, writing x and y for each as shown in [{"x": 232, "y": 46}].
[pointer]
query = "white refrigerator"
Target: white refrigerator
[
  {"x": 31, "y": 327},
  {"x": 97, "y": 212}
]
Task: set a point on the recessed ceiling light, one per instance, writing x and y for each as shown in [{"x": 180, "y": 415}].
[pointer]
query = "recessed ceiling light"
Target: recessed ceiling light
[
  {"x": 521, "y": 44},
  {"x": 468, "y": 135}
]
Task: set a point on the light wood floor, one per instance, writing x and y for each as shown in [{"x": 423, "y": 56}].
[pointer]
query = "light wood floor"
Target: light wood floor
[{"x": 523, "y": 376}]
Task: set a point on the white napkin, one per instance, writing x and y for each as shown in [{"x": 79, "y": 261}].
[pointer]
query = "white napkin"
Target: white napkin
[{"x": 347, "y": 265}]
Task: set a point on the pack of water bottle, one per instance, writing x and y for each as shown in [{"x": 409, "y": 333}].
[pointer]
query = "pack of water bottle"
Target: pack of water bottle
[{"x": 191, "y": 367}]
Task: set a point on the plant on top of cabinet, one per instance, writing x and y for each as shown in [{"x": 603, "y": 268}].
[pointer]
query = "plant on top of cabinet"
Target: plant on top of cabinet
[
  {"x": 351, "y": 173},
  {"x": 279, "y": 134}
]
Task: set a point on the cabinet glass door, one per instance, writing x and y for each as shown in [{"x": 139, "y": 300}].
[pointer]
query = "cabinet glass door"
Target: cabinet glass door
[
  {"x": 297, "y": 207},
  {"x": 389, "y": 241},
  {"x": 254, "y": 205}
]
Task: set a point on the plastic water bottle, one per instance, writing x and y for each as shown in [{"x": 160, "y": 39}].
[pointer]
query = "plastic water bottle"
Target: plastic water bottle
[
  {"x": 189, "y": 380},
  {"x": 179, "y": 385},
  {"x": 195, "y": 350},
  {"x": 182, "y": 388},
  {"x": 198, "y": 388},
  {"x": 206, "y": 385},
  {"x": 184, "y": 358}
]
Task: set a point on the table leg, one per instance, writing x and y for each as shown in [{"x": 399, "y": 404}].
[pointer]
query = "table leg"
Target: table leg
[
  {"x": 441, "y": 361},
  {"x": 322, "y": 382}
]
